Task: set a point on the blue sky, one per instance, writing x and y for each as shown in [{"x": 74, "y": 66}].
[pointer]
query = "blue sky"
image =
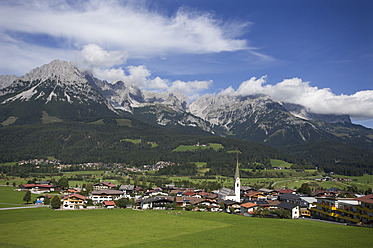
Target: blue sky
[{"x": 316, "y": 53}]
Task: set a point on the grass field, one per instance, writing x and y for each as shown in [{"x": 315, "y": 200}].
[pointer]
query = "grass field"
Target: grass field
[
  {"x": 280, "y": 163},
  {"x": 134, "y": 141},
  {"x": 131, "y": 228},
  {"x": 187, "y": 148},
  {"x": 11, "y": 198}
]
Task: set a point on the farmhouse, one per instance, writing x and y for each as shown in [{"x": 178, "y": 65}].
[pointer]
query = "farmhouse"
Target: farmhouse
[
  {"x": 247, "y": 208},
  {"x": 99, "y": 196},
  {"x": 127, "y": 190},
  {"x": 74, "y": 201},
  {"x": 104, "y": 185},
  {"x": 158, "y": 202},
  {"x": 291, "y": 207},
  {"x": 38, "y": 188},
  {"x": 108, "y": 204}
]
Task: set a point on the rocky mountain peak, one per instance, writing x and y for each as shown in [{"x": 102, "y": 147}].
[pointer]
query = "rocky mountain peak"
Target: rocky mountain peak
[{"x": 57, "y": 69}]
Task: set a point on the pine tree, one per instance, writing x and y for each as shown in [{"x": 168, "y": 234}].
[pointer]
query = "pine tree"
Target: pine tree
[
  {"x": 27, "y": 197},
  {"x": 47, "y": 201},
  {"x": 56, "y": 202}
]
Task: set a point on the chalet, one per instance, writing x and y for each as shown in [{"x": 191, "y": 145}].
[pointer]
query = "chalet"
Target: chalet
[
  {"x": 226, "y": 194},
  {"x": 42, "y": 197},
  {"x": 211, "y": 196},
  {"x": 231, "y": 204},
  {"x": 177, "y": 192},
  {"x": 286, "y": 191},
  {"x": 72, "y": 191},
  {"x": 209, "y": 205},
  {"x": 108, "y": 204},
  {"x": 247, "y": 209},
  {"x": 185, "y": 201},
  {"x": 99, "y": 196},
  {"x": 255, "y": 196},
  {"x": 158, "y": 202},
  {"x": 74, "y": 201},
  {"x": 104, "y": 185},
  {"x": 293, "y": 208},
  {"x": 38, "y": 188},
  {"x": 293, "y": 198},
  {"x": 127, "y": 189},
  {"x": 139, "y": 189}
]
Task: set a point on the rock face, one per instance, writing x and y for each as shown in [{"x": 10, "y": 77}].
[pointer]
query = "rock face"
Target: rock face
[
  {"x": 58, "y": 88},
  {"x": 61, "y": 90}
]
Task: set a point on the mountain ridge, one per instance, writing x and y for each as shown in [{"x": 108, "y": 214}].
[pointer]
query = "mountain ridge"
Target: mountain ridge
[{"x": 255, "y": 118}]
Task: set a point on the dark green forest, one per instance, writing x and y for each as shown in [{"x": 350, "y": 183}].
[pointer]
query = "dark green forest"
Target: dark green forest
[{"x": 99, "y": 140}]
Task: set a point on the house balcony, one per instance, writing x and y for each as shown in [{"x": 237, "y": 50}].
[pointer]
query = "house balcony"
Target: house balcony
[
  {"x": 364, "y": 209},
  {"x": 325, "y": 206}
]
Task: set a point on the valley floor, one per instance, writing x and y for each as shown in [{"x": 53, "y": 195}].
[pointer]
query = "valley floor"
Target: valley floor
[{"x": 161, "y": 228}]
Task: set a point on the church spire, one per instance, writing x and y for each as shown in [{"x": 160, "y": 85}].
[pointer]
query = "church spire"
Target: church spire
[
  {"x": 237, "y": 175},
  {"x": 237, "y": 183}
]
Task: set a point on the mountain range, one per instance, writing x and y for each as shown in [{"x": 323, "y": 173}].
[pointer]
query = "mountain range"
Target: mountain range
[{"x": 59, "y": 91}]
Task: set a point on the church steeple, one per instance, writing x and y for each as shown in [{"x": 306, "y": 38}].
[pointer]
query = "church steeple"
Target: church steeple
[
  {"x": 237, "y": 175},
  {"x": 237, "y": 183}
]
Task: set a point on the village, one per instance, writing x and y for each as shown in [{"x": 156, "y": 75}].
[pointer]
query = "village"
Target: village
[{"x": 330, "y": 205}]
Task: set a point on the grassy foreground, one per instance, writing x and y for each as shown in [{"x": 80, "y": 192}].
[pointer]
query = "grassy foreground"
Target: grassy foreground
[{"x": 129, "y": 228}]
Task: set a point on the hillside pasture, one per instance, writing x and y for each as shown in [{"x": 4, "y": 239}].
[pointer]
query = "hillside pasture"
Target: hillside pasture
[
  {"x": 280, "y": 163},
  {"x": 188, "y": 148},
  {"x": 157, "y": 228}
]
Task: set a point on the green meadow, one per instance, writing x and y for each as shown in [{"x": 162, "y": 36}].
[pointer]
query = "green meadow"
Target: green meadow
[
  {"x": 187, "y": 148},
  {"x": 132, "y": 228},
  {"x": 280, "y": 163},
  {"x": 11, "y": 198}
]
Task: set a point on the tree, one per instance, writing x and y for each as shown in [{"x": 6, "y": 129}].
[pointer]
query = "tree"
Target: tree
[
  {"x": 47, "y": 201},
  {"x": 89, "y": 188},
  {"x": 56, "y": 202},
  {"x": 27, "y": 197},
  {"x": 89, "y": 202},
  {"x": 305, "y": 189},
  {"x": 63, "y": 183},
  {"x": 122, "y": 202}
]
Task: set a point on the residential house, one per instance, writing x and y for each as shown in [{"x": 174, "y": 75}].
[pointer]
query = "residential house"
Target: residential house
[
  {"x": 255, "y": 196},
  {"x": 37, "y": 188},
  {"x": 158, "y": 202},
  {"x": 247, "y": 209},
  {"x": 42, "y": 197},
  {"x": 127, "y": 190},
  {"x": 108, "y": 204},
  {"x": 228, "y": 204},
  {"x": 104, "y": 185},
  {"x": 286, "y": 191},
  {"x": 99, "y": 196},
  {"x": 293, "y": 208},
  {"x": 226, "y": 194},
  {"x": 74, "y": 201}
]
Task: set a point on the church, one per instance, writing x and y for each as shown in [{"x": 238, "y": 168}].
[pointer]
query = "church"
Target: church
[{"x": 229, "y": 194}]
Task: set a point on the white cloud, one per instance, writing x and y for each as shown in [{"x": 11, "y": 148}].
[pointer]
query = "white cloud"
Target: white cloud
[
  {"x": 94, "y": 56},
  {"x": 191, "y": 88},
  {"x": 322, "y": 101},
  {"x": 122, "y": 26}
]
